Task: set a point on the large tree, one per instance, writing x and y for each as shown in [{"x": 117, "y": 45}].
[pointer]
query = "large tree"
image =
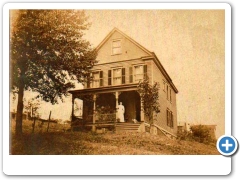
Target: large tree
[{"x": 48, "y": 54}]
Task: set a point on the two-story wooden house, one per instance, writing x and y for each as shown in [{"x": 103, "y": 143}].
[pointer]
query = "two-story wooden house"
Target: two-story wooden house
[{"x": 122, "y": 63}]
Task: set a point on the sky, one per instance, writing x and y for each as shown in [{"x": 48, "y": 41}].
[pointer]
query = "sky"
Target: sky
[{"x": 189, "y": 44}]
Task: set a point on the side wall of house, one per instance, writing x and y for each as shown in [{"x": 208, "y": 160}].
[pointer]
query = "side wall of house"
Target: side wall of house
[{"x": 165, "y": 102}]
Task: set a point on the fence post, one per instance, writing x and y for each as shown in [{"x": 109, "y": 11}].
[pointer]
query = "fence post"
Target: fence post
[
  {"x": 34, "y": 120},
  {"x": 49, "y": 120}
]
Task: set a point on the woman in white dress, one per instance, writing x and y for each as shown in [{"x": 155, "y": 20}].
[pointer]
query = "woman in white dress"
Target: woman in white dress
[{"x": 121, "y": 111}]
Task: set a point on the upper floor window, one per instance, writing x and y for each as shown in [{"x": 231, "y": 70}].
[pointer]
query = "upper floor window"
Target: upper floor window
[
  {"x": 116, "y": 76},
  {"x": 168, "y": 90},
  {"x": 116, "y": 47},
  {"x": 167, "y": 93},
  {"x": 170, "y": 95},
  {"x": 97, "y": 79},
  {"x": 164, "y": 85},
  {"x": 137, "y": 73}
]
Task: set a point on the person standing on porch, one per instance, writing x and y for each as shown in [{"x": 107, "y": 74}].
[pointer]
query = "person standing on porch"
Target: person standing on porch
[{"x": 121, "y": 111}]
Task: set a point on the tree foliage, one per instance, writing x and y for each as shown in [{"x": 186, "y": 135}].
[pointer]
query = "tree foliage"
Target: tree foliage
[
  {"x": 149, "y": 98},
  {"x": 48, "y": 53},
  {"x": 31, "y": 107},
  {"x": 201, "y": 133}
]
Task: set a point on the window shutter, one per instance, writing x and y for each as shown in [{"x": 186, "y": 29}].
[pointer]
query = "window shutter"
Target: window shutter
[
  {"x": 167, "y": 117},
  {"x": 170, "y": 93},
  {"x": 88, "y": 80},
  {"x": 88, "y": 83},
  {"x": 145, "y": 71},
  {"x": 101, "y": 78},
  {"x": 123, "y": 75},
  {"x": 171, "y": 119},
  {"x": 167, "y": 92},
  {"x": 109, "y": 77},
  {"x": 130, "y": 74}
]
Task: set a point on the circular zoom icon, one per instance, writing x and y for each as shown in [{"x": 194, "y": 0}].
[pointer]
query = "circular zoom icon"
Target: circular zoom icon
[{"x": 227, "y": 145}]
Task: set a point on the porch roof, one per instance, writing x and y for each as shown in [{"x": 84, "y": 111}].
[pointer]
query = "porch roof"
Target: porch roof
[{"x": 107, "y": 89}]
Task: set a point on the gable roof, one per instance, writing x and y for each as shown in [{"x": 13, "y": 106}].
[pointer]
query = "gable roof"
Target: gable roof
[
  {"x": 126, "y": 36},
  {"x": 152, "y": 54}
]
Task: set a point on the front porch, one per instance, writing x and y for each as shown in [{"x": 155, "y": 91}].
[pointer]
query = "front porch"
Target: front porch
[{"x": 100, "y": 109}]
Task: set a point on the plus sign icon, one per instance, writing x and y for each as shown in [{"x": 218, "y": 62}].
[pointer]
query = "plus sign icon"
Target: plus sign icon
[{"x": 227, "y": 145}]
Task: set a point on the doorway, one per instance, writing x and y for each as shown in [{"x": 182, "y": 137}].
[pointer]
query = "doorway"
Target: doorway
[{"x": 131, "y": 102}]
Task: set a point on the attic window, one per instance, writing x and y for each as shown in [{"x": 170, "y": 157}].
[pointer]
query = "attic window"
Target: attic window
[{"x": 116, "y": 47}]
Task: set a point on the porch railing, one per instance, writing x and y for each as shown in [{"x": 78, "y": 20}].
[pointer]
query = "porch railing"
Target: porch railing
[
  {"x": 101, "y": 120},
  {"x": 104, "y": 118}
]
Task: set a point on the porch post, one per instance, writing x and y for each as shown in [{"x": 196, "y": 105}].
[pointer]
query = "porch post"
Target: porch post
[
  {"x": 116, "y": 96},
  {"x": 72, "y": 119},
  {"x": 94, "y": 111},
  {"x": 141, "y": 110},
  {"x": 72, "y": 106}
]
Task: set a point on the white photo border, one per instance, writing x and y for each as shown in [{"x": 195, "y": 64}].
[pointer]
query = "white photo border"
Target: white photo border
[{"x": 112, "y": 165}]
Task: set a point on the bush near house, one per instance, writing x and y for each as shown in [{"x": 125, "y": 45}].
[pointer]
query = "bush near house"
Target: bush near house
[
  {"x": 185, "y": 135},
  {"x": 199, "y": 133}
]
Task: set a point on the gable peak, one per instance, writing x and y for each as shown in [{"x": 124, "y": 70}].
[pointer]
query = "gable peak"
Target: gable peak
[{"x": 126, "y": 36}]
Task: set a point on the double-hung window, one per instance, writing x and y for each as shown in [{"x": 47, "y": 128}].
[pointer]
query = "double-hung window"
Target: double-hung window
[
  {"x": 137, "y": 73},
  {"x": 97, "y": 79},
  {"x": 169, "y": 115},
  {"x": 164, "y": 86},
  {"x": 168, "y": 91},
  {"x": 116, "y": 76},
  {"x": 170, "y": 95},
  {"x": 116, "y": 47}
]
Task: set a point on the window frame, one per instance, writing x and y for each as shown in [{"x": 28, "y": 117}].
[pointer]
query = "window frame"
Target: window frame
[
  {"x": 164, "y": 86},
  {"x": 170, "y": 118},
  {"x": 170, "y": 95},
  {"x": 99, "y": 79},
  {"x": 167, "y": 89},
  {"x": 134, "y": 72},
  {"x": 116, "y": 77},
  {"x": 120, "y": 47}
]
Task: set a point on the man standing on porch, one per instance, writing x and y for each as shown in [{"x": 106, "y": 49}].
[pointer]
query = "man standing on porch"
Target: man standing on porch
[{"x": 121, "y": 111}]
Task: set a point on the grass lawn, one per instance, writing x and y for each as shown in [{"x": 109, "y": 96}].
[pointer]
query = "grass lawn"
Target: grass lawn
[{"x": 87, "y": 143}]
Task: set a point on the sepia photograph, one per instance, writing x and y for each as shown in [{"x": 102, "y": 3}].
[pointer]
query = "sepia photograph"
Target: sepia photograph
[{"x": 116, "y": 82}]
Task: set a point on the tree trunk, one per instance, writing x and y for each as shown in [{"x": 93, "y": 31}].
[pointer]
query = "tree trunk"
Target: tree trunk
[{"x": 18, "y": 129}]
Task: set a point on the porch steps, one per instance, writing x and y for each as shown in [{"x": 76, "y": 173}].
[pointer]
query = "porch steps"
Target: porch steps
[{"x": 127, "y": 126}]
